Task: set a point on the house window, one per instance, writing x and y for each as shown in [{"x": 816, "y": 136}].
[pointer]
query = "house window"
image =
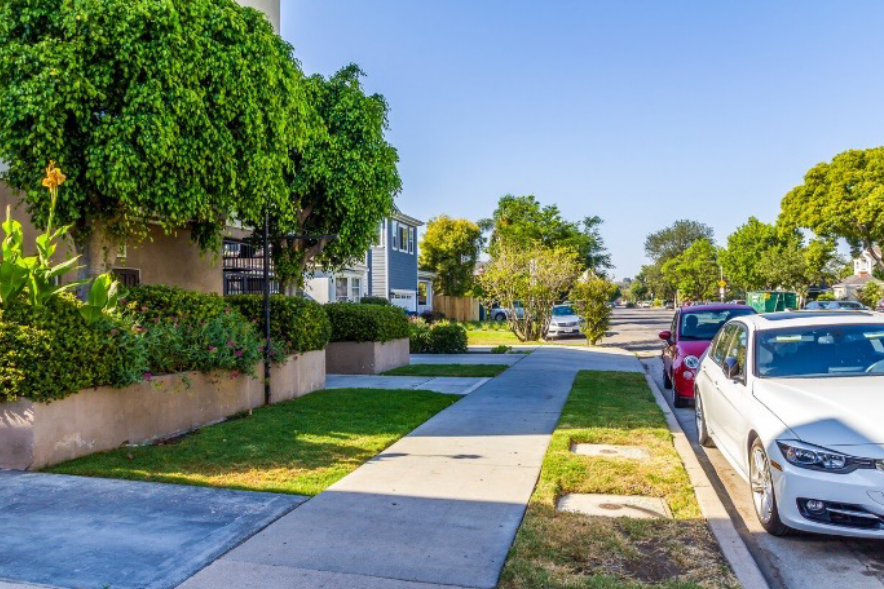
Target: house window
[
  {"x": 403, "y": 237},
  {"x": 395, "y": 232},
  {"x": 341, "y": 290},
  {"x": 355, "y": 289},
  {"x": 128, "y": 277},
  {"x": 382, "y": 235},
  {"x": 422, "y": 293},
  {"x": 411, "y": 232}
]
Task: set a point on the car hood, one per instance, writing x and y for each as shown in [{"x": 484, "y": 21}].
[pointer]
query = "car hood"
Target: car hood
[
  {"x": 692, "y": 348},
  {"x": 842, "y": 411},
  {"x": 565, "y": 319}
]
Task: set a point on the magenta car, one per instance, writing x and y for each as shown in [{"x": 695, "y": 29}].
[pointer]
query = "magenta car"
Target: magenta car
[{"x": 691, "y": 333}]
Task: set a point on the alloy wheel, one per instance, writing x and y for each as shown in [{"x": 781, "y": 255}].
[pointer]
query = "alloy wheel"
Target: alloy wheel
[{"x": 762, "y": 485}]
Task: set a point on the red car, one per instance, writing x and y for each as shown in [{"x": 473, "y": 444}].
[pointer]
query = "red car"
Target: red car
[{"x": 691, "y": 333}]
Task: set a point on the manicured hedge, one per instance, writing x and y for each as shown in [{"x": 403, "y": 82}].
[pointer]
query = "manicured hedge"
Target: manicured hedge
[
  {"x": 155, "y": 301},
  {"x": 439, "y": 338},
  {"x": 375, "y": 301},
  {"x": 297, "y": 324},
  {"x": 353, "y": 322},
  {"x": 49, "y": 352}
]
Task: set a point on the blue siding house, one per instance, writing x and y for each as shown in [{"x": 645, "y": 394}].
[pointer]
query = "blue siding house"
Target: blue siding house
[{"x": 392, "y": 262}]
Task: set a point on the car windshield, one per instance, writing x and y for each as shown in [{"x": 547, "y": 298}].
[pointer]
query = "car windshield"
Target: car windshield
[
  {"x": 849, "y": 305},
  {"x": 563, "y": 310},
  {"x": 703, "y": 325},
  {"x": 831, "y": 350}
]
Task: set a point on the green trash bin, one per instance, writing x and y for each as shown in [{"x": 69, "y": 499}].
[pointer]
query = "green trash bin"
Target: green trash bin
[{"x": 771, "y": 301}]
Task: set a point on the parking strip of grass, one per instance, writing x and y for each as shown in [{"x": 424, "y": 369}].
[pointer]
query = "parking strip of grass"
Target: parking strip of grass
[
  {"x": 568, "y": 551},
  {"x": 300, "y": 446},
  {"x": 462, "y": 370},
  {"x": 494, "y": 333}
]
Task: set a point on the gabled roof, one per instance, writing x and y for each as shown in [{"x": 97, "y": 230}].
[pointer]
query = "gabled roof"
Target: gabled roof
[
  {"x": 400, "y": 216},
  {"x": 858, "y": 280}
]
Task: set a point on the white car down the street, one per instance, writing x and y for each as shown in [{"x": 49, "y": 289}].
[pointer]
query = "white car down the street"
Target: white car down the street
[
  {"x": 795, "y": 403},
  {"x": 564, "y": 322}
]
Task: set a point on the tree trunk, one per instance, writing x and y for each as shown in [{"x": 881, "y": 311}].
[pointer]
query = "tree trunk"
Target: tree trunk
[{"x": 97, "y": 254}]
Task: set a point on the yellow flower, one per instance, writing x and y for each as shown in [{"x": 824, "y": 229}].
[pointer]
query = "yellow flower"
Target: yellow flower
[{"x": 54, "y": 176}]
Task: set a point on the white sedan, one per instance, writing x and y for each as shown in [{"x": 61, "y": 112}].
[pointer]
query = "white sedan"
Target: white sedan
[
  {"x": 795, "y": 402},
  {"x": 565, "y": 322}
]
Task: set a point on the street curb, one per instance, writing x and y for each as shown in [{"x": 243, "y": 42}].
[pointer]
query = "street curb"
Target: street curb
[{"x": 732, "y": 546}]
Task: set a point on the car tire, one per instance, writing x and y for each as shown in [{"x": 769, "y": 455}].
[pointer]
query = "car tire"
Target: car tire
[
  {"x": 500, "y": 317},
  {"x": 667, "y": 382},
  {"x": 702, "y": 428},
  {"x": 764, "y": 498}
]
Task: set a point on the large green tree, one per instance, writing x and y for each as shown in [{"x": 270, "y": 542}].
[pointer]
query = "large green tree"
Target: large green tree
[
  {"x": 672, "y": 241},
  {"x": 843, "y": 198},
  {"x": 745, "y": 246},
  {"x": 343, "y": 180},
  {"x": 523, "y": 220},
  {"x": 695, "y": 272},
  {"x": 450, "y": 248},
  {"x": 793, "y": 265},
  {"x": 179, "y": 114}
]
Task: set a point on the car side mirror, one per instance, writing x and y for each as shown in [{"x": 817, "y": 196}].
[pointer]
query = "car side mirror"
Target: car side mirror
[
  {"x": 666, "y": 335},
  {"x": 732, "y": 368}
]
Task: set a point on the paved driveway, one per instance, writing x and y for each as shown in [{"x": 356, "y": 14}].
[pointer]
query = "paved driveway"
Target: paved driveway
[{"x": 67, "y": 531}]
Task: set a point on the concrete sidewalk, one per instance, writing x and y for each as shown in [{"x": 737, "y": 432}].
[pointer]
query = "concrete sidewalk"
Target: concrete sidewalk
[
  {"x": 439, "y": 508},
  {"x": 450, "y": 385}
]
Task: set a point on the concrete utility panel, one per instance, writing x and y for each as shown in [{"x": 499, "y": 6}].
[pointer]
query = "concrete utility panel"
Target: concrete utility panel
[
  {"x": 633, "y": 506},
  {"x": 67, "y": 531},
  {"x": 610, "y": 451}
]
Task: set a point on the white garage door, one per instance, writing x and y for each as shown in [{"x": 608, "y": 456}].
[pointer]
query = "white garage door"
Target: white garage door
[{"x": 407, "y": 299}]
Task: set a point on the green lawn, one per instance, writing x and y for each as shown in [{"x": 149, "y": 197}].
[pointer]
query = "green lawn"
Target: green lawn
[
  {"x": 300, "y": 446},
  {"x": 467, "y": 370},
  {"x": 564, "y": 550},
  {"x": 498, "y": 337}
]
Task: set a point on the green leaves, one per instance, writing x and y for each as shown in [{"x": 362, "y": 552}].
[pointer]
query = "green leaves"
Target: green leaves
[
  {"x": 450, "y": 248},
  {"x": 103, "y": 297}
]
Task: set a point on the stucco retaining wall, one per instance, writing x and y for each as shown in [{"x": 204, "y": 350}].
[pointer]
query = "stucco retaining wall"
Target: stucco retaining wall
[
  {"x": 366, "y": 357},
  {"x": 34, "y": 434}
]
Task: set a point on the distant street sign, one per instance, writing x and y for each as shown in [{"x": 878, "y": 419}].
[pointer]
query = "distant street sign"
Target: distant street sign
[{"x": 722, "y": 283}]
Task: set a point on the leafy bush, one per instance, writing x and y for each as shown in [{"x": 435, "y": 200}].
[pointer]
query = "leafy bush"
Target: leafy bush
[
  {"x": 375, "y": 301},
  {"x": 297, "y": 324},
  {"x": 439, "y": 338},
  {"x": 353, "y": 322},
  {"x": 151, "y": 302},
  {"x": 501, "y": 349},
  {"x": 826, "y": 296},
  {"x": 432, "y": 316},
  {"x": 50, "y": 352}
]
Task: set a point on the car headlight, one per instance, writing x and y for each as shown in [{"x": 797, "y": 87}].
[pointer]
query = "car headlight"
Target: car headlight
[
  {"x": 817, "y": 458},
  {"x": 692, "y": 362}
]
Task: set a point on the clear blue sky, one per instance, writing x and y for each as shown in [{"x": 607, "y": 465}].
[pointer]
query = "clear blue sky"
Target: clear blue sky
[{"x": 640, "y": 112}]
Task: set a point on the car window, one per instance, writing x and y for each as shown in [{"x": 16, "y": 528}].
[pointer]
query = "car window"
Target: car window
[
  {"x": 812, "y": 306},
  {"x": 737, "y": 347},
  {"x": 563, "y": 310},
  {"x": 721, "y": 343},
  {"x": 703, "y": 325},
  {"x": 819, "y": 351}
]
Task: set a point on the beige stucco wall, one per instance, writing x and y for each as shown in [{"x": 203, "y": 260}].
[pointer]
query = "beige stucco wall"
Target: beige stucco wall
[
  {"x": 268, "y": 7},
  {"x": 35, "y": 435},
  {"x": 366, "y": 357}
]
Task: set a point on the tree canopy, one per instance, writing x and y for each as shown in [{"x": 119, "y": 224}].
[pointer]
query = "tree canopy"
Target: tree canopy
[
  {"x": 745, "y": 246},
  {"x": 695, "y": 272},
  {"x": 672, "y": 241},
  {"x": 523, "y": 220},
  {"x": 343, "y": 180},
  {"x": 843, "y": 198},
  {"x": 450, "y": 248},
  {"x": 180, "y": 114}
]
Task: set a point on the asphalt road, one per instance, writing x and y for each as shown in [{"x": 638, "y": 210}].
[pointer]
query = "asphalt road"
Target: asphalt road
[{"x": 803, "y": 561}]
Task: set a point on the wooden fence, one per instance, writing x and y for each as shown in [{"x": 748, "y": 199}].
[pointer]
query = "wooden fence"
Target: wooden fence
[{"x": 457, "y": 308}]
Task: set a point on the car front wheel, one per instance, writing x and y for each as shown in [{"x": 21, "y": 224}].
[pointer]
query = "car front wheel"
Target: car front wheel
[
  {"x": 763, "y": 496},
  {"x": 702, "y": 429}
]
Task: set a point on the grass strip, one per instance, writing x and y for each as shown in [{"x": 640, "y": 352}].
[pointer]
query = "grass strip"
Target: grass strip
[
  {"x": 568, "y": 551},
  {"x": 300, "y": 446},
  {"x": 462, "y": 370}
]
